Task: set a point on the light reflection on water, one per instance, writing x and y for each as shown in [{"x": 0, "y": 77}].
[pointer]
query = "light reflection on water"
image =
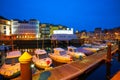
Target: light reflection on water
[{"x": 105, "y": 71}]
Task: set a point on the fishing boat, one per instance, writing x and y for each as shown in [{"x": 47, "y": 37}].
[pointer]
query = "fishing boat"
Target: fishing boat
[
  {"x": 91, "y": 49},
  {"x": 60, "y": 55},
  {"x": 41, "y": 59},
  {"x": 75, "y": 53},
  {"x": 101, "y": 45},
  {"x": 86, "y": 52},
  {"x": 11, "y": 67}
]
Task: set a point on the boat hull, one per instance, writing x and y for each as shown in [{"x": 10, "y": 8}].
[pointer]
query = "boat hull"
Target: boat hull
[
  {"x": 42, "y": 63},
  {"x": 10, "y": 71},
  {"x": 60, "y": 59}
]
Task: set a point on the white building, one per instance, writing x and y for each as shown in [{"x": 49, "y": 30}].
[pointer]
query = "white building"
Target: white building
[
  {"x": 25, "y": 29},
  {"x": 68, "y": 31},
  {"x": 5, "y": 27},
  {"x": 63, "y": 34}
]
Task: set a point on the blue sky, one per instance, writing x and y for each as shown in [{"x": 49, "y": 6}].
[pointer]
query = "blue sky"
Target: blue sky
[{"x": 79, "y": 14}]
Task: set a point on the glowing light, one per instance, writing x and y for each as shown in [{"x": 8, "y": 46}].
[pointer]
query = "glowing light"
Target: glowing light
[
  {"x": 32, "y": 65},
  {"x": 116, "y": 33},
  {"x": 37, "y": 36},
  {"x": 8, "y": 22},
  {"x": 106, "y": 33}
]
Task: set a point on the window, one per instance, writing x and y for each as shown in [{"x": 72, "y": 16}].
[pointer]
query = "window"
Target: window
[
  {"x": 14, "y": 23},
  {"x": 4, "y": 32},
  {"x": 62, "y": 52},
  {"x": 4, "y": 27},
  {"x": 70, "y": 50},
  {"x": 42, "y": 28}
]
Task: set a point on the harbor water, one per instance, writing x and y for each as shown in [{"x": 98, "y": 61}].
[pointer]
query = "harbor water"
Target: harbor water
[{"x": 104, "y": 71}]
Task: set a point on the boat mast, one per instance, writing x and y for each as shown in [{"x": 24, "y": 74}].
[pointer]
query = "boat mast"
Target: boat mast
[{"x": 12, "y": 42}]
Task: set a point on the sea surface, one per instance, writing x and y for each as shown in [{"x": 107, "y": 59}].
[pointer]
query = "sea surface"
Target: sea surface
[{"x": 105, "y": 71}]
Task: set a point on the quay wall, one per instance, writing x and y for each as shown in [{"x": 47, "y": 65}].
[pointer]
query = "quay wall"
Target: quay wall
[{"x": 31, "y": 44}]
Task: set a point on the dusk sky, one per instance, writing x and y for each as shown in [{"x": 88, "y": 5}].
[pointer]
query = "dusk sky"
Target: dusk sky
[{"x": 77, "y": 14}]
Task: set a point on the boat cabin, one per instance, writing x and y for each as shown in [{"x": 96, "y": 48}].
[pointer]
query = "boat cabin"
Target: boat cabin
[
  {"x": 12, "y": 57},
  {"x": 59, "y": 51},
  {"x": 72, "y": 49},
  {"x": 41, "y": 53}
]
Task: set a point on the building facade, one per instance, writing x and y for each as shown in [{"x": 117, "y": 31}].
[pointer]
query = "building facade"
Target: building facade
[
  {"x": 5, "y": 28},
  {"x": 63, "y": 34},
  {"x": 27, "y": 30},
  {"x": 45, "y": 31},
  {"x": 98, "y": 33}
]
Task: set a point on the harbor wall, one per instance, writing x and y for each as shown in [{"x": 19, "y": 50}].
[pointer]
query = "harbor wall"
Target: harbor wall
[{"x": 31, "y": 44}]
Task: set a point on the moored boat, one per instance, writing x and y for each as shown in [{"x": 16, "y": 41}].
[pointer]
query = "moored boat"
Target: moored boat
[
  {"x": 73, "y": 51},
  {"x": 41, "y": 59},
  {"x": 91, "y": 49},
  {"x": 86, "y": 52},
  {"x": 60, "y": 55},
  {"x": 95, "y": 45},
  {"x": 11, "y": 67}
]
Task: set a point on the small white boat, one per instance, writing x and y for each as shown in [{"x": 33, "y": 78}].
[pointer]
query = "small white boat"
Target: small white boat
[
  {"x": 75, "y": 53},
  {"x": 60, "y": 55},
  {"x": 90, "y": 47},
  {"x": 41, "y": 59},
  {"x": 11, "y": 67}
]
